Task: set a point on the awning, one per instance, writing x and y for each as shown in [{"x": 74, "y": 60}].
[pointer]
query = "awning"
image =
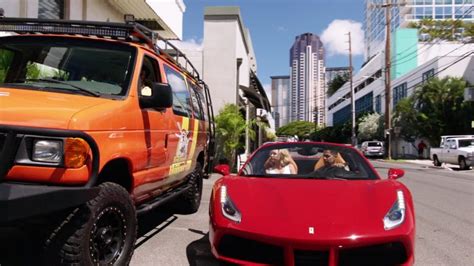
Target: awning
[
  {"x": 255, "y": 83},
  {"x": 145, "y": 15},
  {"x": 253, "y": 96}
]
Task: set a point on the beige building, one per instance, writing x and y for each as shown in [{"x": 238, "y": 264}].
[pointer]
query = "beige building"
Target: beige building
[{"x": 230, "y": 66}]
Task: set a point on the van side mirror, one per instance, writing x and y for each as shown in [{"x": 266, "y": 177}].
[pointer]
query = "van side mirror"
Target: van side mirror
[{"x": 159, "y": 95}]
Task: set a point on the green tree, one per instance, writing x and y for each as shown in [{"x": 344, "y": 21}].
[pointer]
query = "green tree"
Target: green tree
[
  {"x": 5, "y": 60},
  {"x": 370, "y": 127},
  {"x": 230, "y": 129},
  {"x": 336, "y": 83},
  {"x": 436, "y": 108},
  {"x": 302, "y": 129}
]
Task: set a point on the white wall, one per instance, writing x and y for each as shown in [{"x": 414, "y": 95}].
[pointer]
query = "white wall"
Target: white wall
[
  {"x": 102, "y": 11},
  {"x": 242, "y": 52},
  {"x": 171, "y": 11},
  {"x": 220, "y": 66},
  {"x": 20, "y": 8}
]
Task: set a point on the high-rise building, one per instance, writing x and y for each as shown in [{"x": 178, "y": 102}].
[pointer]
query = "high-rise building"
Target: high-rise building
[
  {"x": 307, "y": 79},
  {"x": 406, "y": 12},
  {"x": 281, "y": 100}
]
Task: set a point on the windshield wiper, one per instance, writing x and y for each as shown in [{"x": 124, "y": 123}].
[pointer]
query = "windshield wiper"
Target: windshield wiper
[{"x": 93, "y": 93}]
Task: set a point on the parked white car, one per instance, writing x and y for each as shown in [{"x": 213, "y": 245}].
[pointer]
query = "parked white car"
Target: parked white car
[
  {"x": 454, "y": 150},
  {"x": 372, "y": 148}
]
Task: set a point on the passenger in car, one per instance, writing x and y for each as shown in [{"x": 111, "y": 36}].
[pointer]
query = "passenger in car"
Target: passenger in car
[{"x": 280, "y": 162}]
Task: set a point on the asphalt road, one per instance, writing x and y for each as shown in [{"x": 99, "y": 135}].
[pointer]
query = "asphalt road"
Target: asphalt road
[{"x": 444, "y": 205}]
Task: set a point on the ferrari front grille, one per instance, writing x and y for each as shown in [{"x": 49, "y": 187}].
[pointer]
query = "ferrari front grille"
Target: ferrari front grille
[
  {"x": 250, "y": 250},
  {"x": 382, "y": 254},
  {"x": 311, "y": 257}
]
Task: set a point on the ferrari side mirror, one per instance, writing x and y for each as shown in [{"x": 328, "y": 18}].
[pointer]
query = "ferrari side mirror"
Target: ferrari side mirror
[
  {"x": 223, "y": 169},
  {"x": 394, "y": 173}
]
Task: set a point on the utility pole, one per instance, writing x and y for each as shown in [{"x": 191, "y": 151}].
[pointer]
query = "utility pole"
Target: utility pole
[
  {"x": 353, "y": 114},
  {"x": 388, "y": 91}
]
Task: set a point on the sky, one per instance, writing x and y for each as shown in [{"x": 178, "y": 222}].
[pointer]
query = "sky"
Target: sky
[{"x": 274, "y": 24}]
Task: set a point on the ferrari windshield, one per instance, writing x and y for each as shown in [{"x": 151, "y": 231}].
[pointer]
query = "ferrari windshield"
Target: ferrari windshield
[
  {"x": 308, "y": 160},
  {"x": 66, "y": 65}
]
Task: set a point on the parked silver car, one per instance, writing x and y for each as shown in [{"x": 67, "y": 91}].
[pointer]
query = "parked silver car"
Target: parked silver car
[{"x": 372, "y": 148}]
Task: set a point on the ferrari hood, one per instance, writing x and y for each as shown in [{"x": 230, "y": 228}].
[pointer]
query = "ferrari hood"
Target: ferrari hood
[{"x": 329, "y": 208}]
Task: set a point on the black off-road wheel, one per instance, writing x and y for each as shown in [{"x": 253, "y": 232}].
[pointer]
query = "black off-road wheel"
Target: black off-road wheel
[
  {"x": 191, "y": 199},
  {"x": 436, "y": 162},
  {"x": 101, "y": 232}
]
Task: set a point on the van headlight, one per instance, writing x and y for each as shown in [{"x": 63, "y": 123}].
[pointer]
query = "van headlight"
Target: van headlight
[
  {"x": 229, "y": 210},
  {"x": 49, "y": 151},
  {"x": 396, "y": 214}
]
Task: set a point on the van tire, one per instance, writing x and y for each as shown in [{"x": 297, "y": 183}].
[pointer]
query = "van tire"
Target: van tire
[
  {"x": 191, "y": 199},
  {"x": 102, "y": 231},
  {"x": 436, "y": 162}
]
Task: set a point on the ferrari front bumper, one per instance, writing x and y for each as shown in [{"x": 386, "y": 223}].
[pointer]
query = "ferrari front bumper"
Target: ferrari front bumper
[{"x": 236, "y": 246}]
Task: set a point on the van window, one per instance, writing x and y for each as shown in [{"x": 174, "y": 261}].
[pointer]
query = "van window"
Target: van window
[
  {"x": 6, "y": 57},
  {"x": 148, "y": 72},
  {"x": 181, "y": 97},
  {"x": 196, "y": 101}
]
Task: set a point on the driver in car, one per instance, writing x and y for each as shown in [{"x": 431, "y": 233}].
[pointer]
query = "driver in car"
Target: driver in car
[{"x": 331, "y": 164}]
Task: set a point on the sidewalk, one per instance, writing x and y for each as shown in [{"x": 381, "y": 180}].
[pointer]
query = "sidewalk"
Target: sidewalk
[{"x": 428, "y": 163}]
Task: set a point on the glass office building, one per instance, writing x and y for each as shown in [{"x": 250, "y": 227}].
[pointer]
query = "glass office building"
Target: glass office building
[{"x": 403, "y": 14}]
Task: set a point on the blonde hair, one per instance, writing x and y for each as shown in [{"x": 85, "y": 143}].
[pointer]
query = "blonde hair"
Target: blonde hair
[{"x": 284, "y": 158}]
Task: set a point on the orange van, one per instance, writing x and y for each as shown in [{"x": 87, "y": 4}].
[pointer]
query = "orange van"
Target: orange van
[{"x": 97, "y": 124}]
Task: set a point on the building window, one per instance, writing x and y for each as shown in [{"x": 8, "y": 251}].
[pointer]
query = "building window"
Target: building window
[
  {"x": 378, "y": 104},
  {"x": 399, "y": 92},
  {"x": 427, "y": 75},
  {"x": 51, "y": 9}
]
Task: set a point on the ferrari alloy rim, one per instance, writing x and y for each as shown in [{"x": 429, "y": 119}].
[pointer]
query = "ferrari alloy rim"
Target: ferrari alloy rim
[{"x": 108, "y": 236}]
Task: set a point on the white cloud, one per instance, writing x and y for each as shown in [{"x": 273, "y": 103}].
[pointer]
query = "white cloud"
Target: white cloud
[
  {"x": 189, "y": 45},
  {"x": 335, "y": 39},
  {"x": 282, "y": 28}
]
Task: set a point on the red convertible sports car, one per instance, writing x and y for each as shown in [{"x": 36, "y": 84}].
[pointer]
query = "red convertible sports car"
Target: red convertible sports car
[{"x": 309, "y": 203}]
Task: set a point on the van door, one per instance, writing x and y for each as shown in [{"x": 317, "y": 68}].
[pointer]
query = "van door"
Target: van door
[
  {"x": 152, "y": 177},
  {"x": 180, "y": 135}
]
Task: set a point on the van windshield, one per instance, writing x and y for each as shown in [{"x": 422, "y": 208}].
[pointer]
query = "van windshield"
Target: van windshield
[{"x": 66, "y": 65}]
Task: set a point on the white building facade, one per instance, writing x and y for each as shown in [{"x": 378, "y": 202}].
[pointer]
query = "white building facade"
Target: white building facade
[{"x": 162, "y": 16}]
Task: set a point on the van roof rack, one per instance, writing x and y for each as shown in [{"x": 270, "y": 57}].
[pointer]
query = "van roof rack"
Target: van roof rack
[{"x": 128, "y": 31}]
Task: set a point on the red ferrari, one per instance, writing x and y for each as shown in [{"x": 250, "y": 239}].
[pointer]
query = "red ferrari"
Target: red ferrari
[{"x": 309, "y": 203}]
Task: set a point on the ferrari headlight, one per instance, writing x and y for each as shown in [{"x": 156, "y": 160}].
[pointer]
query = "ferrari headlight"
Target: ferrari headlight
[
  {"x": 49, "y": 151},
  {"x": 396, "y": 214},
  {"x": 229, "y": 210}
]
